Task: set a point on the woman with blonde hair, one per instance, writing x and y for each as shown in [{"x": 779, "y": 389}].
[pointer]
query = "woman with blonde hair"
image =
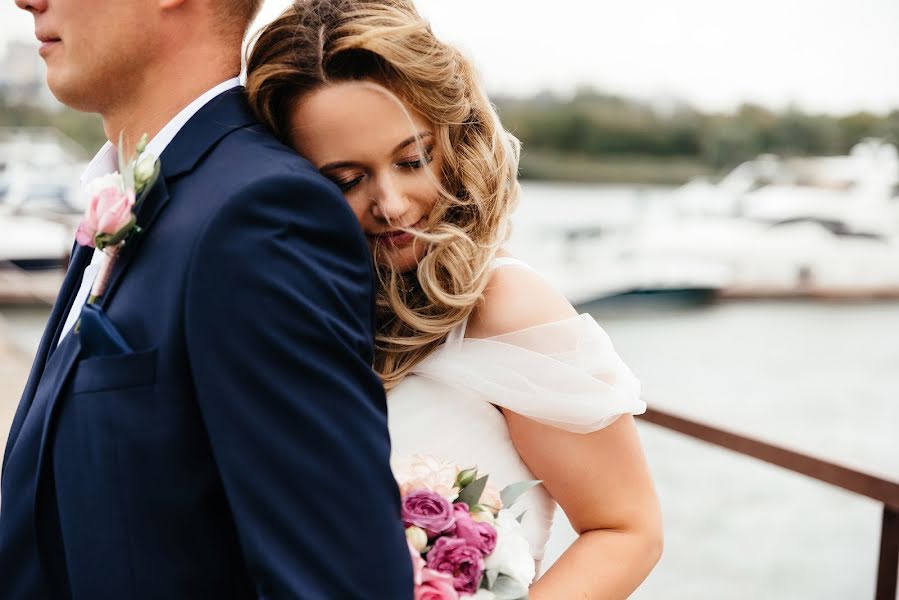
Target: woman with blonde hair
[{"x": 483, "y": 361}]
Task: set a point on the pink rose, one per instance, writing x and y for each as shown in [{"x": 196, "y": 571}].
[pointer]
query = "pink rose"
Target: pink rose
[
  {"x": 454, "y": 556},
  {"x": 435, "y": 586},
  {"x": 108, "y": 211},
  {"x": 479, "y": 535},
  {"x": 418, "y": 563},
  {"x": 428, "y": 510}
]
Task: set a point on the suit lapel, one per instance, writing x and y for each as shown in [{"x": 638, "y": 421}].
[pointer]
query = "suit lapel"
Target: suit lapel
[
  {"x": 146, "y": 213},
  {"x": 219, "y": 117},
  {"x": 81, "y": 257},
  {"x": 59, "y": 369},
  {"x": 222, "y": 115}
]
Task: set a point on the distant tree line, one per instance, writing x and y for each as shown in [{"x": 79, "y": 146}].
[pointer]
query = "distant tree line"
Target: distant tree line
[
  {"x": 593, "y": 124},
  {"x": 602, "y": 137},
  {"x": 86, "y": 129}
]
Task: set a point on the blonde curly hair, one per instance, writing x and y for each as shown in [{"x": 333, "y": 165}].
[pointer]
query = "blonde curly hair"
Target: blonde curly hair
[{"x": 318, "y": 42}]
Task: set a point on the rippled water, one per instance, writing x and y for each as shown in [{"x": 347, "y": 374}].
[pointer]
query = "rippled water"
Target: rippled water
[{"x": 820, "y": 378}]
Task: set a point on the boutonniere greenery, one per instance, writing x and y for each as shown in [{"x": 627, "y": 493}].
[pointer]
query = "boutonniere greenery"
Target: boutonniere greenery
[{"x": 109, "y": 221}]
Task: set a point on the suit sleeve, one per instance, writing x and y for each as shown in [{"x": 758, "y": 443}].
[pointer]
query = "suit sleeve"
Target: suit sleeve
[{"x": 278, "y": 319}]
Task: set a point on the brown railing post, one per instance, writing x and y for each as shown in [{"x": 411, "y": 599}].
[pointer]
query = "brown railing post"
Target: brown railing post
[{"x": 888, "y": 567}]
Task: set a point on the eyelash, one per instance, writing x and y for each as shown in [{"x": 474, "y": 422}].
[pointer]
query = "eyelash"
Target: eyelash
[
  {"x": 417, "y": 164},
  {"x": 346, "y": 186}
]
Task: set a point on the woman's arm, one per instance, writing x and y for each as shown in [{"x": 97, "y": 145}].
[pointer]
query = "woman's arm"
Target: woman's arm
[
  {"x": 601, "y": 479},
  {"x": 602, "y": 482}
]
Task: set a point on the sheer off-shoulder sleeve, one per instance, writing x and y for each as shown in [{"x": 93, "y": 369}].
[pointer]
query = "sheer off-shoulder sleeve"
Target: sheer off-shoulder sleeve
[{"x": 565, "y": 374}]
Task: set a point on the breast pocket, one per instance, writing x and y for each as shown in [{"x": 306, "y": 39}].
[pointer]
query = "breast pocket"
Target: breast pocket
[{"x": 115, "y": 372}]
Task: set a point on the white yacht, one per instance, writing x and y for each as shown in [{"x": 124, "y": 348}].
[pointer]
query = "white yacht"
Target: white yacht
[
  {"x": 825, "y": 226},
  {"x": 819, "y": 227},
  {"x": 40, "y": 206}
]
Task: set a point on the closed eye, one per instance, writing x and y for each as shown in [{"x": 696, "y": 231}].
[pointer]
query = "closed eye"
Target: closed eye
[
  {"x": 418, "y": 162},
  {"x": 348, "y": 184}
]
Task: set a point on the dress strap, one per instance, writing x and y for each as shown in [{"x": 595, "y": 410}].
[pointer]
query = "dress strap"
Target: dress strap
[
  {"x": 455, "y": 337},
  {"x": 508, "y": 261}
]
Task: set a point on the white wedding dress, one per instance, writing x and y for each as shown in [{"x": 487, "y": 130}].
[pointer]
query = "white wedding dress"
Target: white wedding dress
[{"x": 565, "y": 374}]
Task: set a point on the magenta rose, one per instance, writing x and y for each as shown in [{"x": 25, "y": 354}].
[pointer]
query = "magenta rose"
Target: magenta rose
[
  {"x": 435, "y": 586},
  {"x": 454, "y": 556},
  {"x": 428, "y": 510},
  {"x": 480, "y": 535}
]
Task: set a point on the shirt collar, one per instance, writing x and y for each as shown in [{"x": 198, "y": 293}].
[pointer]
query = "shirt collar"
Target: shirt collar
[{"x": 106, "y": 160}]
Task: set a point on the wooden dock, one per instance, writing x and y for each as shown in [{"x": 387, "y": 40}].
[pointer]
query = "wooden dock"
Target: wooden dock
[
  {"x": 14, "y": 367},
  {"x": 29, "y": 287}
]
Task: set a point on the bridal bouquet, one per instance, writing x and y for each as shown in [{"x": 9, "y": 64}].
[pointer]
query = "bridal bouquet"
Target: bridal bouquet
[{"x": 464, "y": 538}]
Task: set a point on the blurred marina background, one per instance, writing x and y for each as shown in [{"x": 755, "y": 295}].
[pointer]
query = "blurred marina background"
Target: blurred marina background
[{"x": 717, "y": 184}]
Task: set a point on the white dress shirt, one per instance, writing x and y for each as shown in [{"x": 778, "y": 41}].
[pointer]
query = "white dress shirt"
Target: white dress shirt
[{"x": 106, "y": 161}]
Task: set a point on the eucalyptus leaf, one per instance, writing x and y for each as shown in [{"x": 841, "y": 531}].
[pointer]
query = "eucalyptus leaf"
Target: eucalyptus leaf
[
  {"x": 126, "y": 167},
  {"x": 513, "y": 492},
  {"x": 520, "y": 517},
  {"x": 471, "y": 494},
  {"x": 119, "y": 149},
  {"x": 507, "y": 588}
]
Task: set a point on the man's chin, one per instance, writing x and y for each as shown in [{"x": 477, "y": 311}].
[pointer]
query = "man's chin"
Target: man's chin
[{"x": 70, "y": 93}]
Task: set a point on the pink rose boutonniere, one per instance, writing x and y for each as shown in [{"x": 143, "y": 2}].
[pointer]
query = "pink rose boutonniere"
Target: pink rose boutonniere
[{"x": 109, "y": 221}]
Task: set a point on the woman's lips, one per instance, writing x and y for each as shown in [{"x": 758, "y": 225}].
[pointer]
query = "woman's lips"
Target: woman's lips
[{"x": 396, "y": 238}]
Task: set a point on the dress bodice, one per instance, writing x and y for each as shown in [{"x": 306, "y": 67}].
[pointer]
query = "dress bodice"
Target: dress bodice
[{"x": 565, "y": 374}]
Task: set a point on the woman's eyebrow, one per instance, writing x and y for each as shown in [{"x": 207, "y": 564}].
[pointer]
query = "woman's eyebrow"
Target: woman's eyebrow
[{"x": 412, "y": 138}]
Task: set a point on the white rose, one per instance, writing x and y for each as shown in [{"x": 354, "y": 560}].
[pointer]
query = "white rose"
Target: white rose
[
  {"x": 423, "y": 472},
  {"x": 512, "y": 555},
  {"x": 483, "y": 516},
  {"x": 95, "y": 186}
]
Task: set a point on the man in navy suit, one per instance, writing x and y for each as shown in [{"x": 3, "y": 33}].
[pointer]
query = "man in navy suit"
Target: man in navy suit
[{"x": 215, "y": 430}]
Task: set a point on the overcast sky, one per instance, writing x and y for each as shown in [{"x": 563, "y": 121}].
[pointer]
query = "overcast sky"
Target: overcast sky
[{"x": 824, "y": 55}]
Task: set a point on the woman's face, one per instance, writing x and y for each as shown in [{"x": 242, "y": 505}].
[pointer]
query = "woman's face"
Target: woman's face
[{"x": 361, "y": 137}]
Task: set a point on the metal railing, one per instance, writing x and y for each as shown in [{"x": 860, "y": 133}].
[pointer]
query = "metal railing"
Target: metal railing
[{"x": 858, "y": 482}]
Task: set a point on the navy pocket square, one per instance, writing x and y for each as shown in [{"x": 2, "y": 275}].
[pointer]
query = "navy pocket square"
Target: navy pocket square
[{"x": 99, "y": 337}]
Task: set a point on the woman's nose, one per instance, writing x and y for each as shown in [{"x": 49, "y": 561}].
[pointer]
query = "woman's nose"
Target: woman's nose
[{"x": 390, "y": 203}]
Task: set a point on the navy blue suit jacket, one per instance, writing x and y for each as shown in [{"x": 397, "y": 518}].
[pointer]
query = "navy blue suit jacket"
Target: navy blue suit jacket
[{"x": 238, "y": 447}]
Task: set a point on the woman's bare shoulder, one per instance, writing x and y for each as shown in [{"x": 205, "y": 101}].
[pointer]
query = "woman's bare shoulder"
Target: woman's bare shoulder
[{"x": 517, "y": 298}]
